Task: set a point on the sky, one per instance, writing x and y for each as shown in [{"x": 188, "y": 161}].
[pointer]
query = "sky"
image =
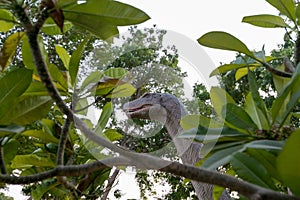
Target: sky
[{"x": 193, "y": 18}]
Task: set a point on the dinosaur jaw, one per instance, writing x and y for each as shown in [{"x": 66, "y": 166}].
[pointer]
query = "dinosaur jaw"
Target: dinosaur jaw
[{"x": 141, "y": 112}]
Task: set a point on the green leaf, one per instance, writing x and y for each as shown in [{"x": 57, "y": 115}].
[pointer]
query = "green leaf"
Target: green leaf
[
  {"x": 51, "y": 28},
  {"x": 41, "y": 189},
  {"x": 116, "y": 72},
  {"x": 240, "y": 73},
  {"x": 63, "y": 55},
  {"x": 206, "y": 135},
  {"x": 107, "y": 110},
  {"x": 267, "y": 159},
  {"x": 58, "y": 77},
  {"x": 42, "y": 135},
  {"x": 193, "y": 121},
  {"x": 293, "y": 101},
  {"x": 9, "y": 48},
  {"x": 75, "y": 60},
  {"x": 251, "y": 170},
  {"x": 280, "y": 82},
  {"x": 28, "y": 110},
  {"x": 258, "y": 108},
  {"x": 288, "y": 163},
  {"x": 286, "y": 7},
  {"x": 266, "y": 145},
  {"x": 10, "y": 150},
  {"x": 298, "y": 14},
  {"x": 11, "y": 129},
  {"x": 238, "y": 117},
  {"x": 279, "y": 102},
  {"x": 7, "y": 20},
  {"x": 255, "y": 113},
  {"x": 266, "y": 21},
  {"x": 229, "y": 67},
  {"x": 124, "y": 90},
  {"x": 223, "y": 40},
  {"x": 27, "y": 55},
  {"x": 36, "y": 89},
  {"x": 92, "y": 80},
  {"x": 12, "y": 86},
  {"x": 221, "y": 157},
  {"x": 112, "y": 135},
  {"x": 27, "y": 161},
  {"x": 103, "y": 18},
  {"x": 219, "y": 98}
]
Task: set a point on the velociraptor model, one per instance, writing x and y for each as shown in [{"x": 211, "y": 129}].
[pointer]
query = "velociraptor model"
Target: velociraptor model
[{"x": 167, "y": 109}]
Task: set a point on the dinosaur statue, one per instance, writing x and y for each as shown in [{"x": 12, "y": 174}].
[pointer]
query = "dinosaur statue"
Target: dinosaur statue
[{"x": 167, "y": 109}]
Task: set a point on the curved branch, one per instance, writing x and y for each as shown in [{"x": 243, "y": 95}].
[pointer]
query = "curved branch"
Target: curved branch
[{"x": 62, "y": 141}]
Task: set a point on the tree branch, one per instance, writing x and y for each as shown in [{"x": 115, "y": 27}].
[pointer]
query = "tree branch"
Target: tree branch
[
  {"x": 2, "y": 163},
  {"x": 62, "y": 141},
  {"x": 110, "y": 183}
]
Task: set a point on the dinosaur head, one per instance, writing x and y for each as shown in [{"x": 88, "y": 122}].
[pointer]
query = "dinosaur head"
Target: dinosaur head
[{"x": 154, "y": 106}]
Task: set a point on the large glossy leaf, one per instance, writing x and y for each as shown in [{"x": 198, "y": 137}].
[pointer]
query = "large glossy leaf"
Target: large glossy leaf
[
  {"x": 266, "y": 145},
  {"x": 27, "y": 55},
  {"x": 9, "y": 48},
  {"x": 238, "y": 117},
  {"x": 288, "y": 163},
  {"x": 27, "y": 161},
  {"x": 207, "y": 135},
  {"x": 251, "y": 170},
  {"x": 279, "y": 103},
  {"x": 229, "y": 67},
  {"x": 255, "y": 113},
  {"x": 124, "y": 90},
  {"x": 58, "y": 77},
  {"x": 221, "y": 157},
  {"x": 12, "y": 86},
  {"x": 115, "y": 73},
  {"x": 51, "y": 28},
  {"x": 104, "y": 117},
  {"x": 266, "y": 21},
  {"x": 280, "y": 82},
  {"x": 219, "y": 99},
  {"x": 7, "y": 20},
  {"x": 267, "y": 159},
  {"x": 75, "y": 60},
  {"x": 112, "y": 134},
  {"x": 226, "y": 41},
  {"x": 36, "y": 89},
  {"x": 11, "y": 129},
  {"x": 42, "y": 135},
  {"x": 102, "y": 18},
  {"x": 63, "y": 55},
  {"x": 240, "y": 73},
  {"x": 92, "y": 80},
  {"x": 193, "y": 121},
  {"x": 10, "y": 150},
  {"x": 286, "y": 7},
  {"x": 28, "y": 110}
]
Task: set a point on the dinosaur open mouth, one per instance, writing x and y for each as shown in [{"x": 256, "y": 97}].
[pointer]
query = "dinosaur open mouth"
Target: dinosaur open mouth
[{"x": 138, "y": 109}]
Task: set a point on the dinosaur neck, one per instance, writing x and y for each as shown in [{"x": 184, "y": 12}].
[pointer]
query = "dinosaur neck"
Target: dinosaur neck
[{"x": 186, "y": 148}]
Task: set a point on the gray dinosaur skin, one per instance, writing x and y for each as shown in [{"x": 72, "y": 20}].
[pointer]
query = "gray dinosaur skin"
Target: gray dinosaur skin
[{"x": 167, "y": 109}]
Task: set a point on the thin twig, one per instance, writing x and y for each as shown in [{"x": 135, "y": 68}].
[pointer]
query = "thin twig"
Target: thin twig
[
  {"x": 2, "y": 162},
  {"x": 62, "y": 142},
  {"x": 110, "y": 184}
]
